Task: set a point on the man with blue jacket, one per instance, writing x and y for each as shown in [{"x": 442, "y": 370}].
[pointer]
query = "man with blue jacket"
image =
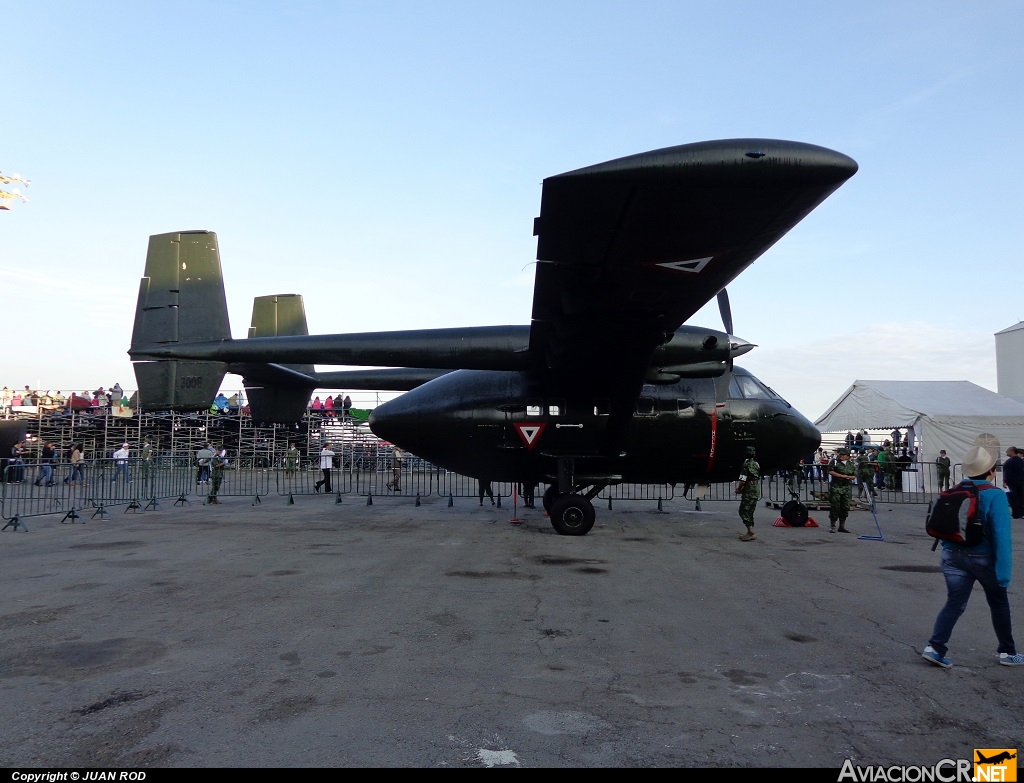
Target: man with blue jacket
[{"x": 989, "y": 562}]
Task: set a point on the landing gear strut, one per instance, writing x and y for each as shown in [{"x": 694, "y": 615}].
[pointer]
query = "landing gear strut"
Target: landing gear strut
[
  {"x": 549, "y": 497},
  {"x": 567, "y": 500}
]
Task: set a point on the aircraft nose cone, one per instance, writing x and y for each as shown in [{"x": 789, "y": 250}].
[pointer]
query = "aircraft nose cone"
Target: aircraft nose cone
[
  {"x": 802, "y": 439},
  {"x": 809, "y": 436},
  {"x": 408, "y": 421},
  {"x": 394, "y": 421}
]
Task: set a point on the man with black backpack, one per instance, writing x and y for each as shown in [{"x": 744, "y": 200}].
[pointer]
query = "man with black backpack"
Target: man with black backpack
[{"x": 988, "y": 561}]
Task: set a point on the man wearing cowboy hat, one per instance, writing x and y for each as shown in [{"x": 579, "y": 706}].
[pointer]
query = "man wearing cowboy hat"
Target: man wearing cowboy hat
[{"x": 988, "y": 562}]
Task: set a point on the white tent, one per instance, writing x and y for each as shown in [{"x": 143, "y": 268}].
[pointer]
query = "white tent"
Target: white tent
[{"x": 944, "y": 414}]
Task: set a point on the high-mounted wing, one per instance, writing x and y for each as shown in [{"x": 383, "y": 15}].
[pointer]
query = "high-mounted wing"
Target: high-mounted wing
[{"x": 631, "y": 248}]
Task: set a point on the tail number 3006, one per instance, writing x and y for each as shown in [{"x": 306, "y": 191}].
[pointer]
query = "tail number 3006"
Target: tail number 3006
[{"x": 192, "y": 382}]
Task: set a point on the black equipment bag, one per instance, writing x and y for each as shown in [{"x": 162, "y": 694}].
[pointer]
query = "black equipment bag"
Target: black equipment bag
[{"x": 954, "y": 515}]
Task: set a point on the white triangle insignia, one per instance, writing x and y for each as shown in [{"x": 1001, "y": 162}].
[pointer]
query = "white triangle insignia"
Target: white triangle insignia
[
  {"x": 529, "y": 433},
  {"x": 692, "y": 265}
]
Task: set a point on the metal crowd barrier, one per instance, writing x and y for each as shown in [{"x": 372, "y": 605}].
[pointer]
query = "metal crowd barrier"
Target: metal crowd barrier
[
  {"x": 235, "y": 481},
  {"x": 33, "y": 488},
  {"x": 918, "y": 484},
  {"x": 455, "y": 485},
  {"x": 41, "y": 488},
  {"x": 718, "y": 492},
  {"x": 38, "y": 489},
  {"x": 302, "y": 481}
]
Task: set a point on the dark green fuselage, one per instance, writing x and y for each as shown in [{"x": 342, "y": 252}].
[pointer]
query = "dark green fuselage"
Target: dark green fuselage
[{"x": 480, "y": 424}]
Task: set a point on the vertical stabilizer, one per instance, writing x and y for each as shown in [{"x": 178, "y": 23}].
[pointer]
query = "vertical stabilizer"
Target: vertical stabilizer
[
  {"x": 181, "y": 300},
  {"x": 278, "y": 315}
]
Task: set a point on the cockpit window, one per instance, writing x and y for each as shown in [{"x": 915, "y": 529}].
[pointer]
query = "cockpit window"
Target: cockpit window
[
  {"x": 751, "y": 389},
  {"x": 747, "y": 387}
]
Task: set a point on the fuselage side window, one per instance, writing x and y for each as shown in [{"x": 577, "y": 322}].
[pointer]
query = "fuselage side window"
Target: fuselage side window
[
  {"x": 602, "y": 407},
  {"x": 534, "y": 408},
  {"x": 556, "y": 408},
  {"x": 645, "y": 406}
]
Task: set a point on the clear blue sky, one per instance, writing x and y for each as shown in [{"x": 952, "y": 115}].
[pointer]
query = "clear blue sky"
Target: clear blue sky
[{"x": 385, "y": 158}]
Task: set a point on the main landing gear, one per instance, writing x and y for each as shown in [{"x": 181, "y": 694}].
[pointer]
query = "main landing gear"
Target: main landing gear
[{"x": 571, "y": 514}]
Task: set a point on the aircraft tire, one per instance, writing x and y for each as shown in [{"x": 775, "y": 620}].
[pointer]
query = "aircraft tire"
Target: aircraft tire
[
  {"x": 795, "y": 513},
  {"x": 549, "y": 497},
  {"x": 572, "y": 515}
]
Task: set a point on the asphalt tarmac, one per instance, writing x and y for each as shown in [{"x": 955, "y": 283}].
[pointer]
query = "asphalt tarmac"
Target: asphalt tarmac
[{"x": 333, "y": 635}]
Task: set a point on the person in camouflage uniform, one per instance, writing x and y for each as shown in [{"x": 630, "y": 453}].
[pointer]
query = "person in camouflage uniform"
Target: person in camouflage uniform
[
  {"x": 291, "y": 459},
  {"x": 865, "y": 476},
  {"x": 890, "y": 469},
  {"x": 840, "y": 491},
  {"x": 217, "y": 463},
  {"x": 749, "y": 490},
  {"x": 147, "y": 460}
]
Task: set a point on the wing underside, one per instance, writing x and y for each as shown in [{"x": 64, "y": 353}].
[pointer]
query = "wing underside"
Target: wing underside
[{"x": 631, "y": 248}]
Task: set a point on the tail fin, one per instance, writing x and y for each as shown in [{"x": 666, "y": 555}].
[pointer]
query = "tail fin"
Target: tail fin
[
  {"x": 273, "y": 396},
  {"x": 181, "y": 300}
]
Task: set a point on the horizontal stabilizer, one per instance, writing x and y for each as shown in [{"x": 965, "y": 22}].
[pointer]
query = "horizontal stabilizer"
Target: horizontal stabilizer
[
  {"x": 284, "y": 404},
  {"x": 266, "y": 374},
  {"x": 178, "y": 385},
  {"x": 387, "y": 379}
]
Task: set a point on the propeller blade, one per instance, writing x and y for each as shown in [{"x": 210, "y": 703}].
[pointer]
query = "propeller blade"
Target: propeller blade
[
  {"x": 722, "y": 383},
  {"x": 725, "y": 310}
]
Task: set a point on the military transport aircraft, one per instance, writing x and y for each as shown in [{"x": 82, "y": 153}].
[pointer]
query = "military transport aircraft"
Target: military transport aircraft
[{"x": 605, "y": 385}]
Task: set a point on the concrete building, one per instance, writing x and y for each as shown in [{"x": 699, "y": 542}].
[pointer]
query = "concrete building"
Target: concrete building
[{"x": 1010, "y": 361}]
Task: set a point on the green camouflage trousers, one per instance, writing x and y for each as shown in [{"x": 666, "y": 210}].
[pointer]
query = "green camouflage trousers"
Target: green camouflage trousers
[
  {"x": 747, "y": 505},
  {"x": 839, "y": 498}
]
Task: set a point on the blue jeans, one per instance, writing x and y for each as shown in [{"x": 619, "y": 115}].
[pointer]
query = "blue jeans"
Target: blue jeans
[
  {"x": 45, "y": 474},
  {"x": 962, "y": 569}
]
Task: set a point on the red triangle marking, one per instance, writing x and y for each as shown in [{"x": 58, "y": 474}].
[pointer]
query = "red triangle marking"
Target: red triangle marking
[{"x": 530, "y": 433}]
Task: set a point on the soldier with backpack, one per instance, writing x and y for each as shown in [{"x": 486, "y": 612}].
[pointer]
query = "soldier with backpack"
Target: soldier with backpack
[{"x": 988, "y": 561}]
